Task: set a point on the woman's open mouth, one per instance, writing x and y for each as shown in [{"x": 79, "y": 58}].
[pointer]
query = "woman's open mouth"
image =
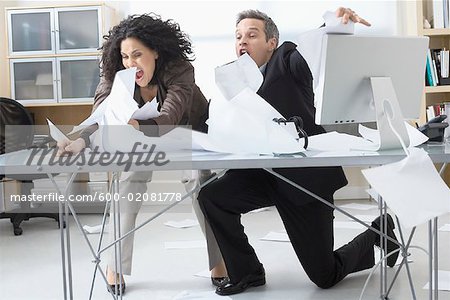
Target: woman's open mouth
[{"x": 139, "y": 75}]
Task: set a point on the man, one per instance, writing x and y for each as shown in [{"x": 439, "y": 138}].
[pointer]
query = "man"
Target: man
[{"x": 287, "y": 86}]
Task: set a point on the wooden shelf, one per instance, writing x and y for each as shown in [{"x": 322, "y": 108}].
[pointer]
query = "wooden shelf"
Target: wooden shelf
[
  {"x": 437, "y": 89},
  {"x": 436, "y": 32}
]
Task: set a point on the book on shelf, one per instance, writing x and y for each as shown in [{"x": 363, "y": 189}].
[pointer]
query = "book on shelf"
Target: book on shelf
[
  {"x": 437, "y": 67},
  {"x": 440, "y": 14},
  {"x": 438, "y": 109}
]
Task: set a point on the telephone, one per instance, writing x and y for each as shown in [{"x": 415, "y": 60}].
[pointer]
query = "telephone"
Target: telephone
[
  {"x": 434, "y": 129},
  {"x": 298, "y": 122}
]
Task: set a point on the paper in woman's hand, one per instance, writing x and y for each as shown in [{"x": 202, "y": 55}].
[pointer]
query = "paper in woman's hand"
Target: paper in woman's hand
[
  {"x": 55, "y": 133},
  {"x": 119, "y": 106},
  {"x": 148, "y": 111}
]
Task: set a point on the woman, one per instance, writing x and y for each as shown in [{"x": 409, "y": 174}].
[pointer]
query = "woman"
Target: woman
[{"x": 161, "y": 53}]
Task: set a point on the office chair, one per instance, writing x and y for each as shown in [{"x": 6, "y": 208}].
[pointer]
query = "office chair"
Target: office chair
[{"x": 13, "y": 139}]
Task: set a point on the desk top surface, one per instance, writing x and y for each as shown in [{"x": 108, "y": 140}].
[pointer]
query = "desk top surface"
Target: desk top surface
[{"x": 27, "y": 161}]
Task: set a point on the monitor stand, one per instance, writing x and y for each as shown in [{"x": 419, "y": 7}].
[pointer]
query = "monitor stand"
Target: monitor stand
[{"x": 388, "y": 114}]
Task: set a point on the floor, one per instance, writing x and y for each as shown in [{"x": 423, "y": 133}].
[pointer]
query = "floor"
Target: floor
[{"x": 30, "y": 265}]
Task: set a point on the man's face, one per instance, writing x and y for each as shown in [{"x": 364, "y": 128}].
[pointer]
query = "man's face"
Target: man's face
[{"x": 251, "y": 39}]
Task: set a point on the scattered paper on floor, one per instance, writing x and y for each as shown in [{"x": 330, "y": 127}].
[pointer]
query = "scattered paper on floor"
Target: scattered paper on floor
[
  {"x": 358, "y": 206},
  {"x": 443, "y": 281},
  {"x": 446, "y": 227},
  {"x": 348, "y": 225},
  {"x": 204, "y": 295},
  {"x": 182, "y": 224},
  {"x": 276, "y": 237}
]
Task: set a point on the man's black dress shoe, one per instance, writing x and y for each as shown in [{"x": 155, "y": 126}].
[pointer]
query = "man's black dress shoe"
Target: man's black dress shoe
[
  {"x": 392, "y": 259},
  {"x": 120, "y": 289},
  {"x": 220, "y": 281},
  {"x": 254, "y": 279}
]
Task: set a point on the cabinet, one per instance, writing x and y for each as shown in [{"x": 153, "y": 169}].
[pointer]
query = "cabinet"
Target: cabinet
[
  {"x": 439, "y": 39},
  {"x": 53, "y": 53},
  {"x": 54, "y": 80}
]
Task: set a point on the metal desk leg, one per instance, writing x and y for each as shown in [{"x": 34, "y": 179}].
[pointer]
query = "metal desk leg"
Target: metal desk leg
[
  {"x": 436, "y": 260},
  {"x": 65, "y": 239},
  {"x": 117, "y": 235},
  {"x": 430, "y": 259},
  {"x": 383, "y": 247},
  {"x": 63, "y": 252}
]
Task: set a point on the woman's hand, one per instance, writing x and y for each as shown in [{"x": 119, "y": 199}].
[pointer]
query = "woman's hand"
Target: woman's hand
[
  {"x": 70, "y": 147},
  {"x": 134, "y": 123},
  {"x": 349, "y": 14}
]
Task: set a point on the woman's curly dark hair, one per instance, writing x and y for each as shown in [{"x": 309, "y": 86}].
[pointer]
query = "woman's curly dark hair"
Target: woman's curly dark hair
[{"x": 165, "y": 37}]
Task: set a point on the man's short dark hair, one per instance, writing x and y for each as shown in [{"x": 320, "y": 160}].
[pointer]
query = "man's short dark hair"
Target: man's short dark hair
[{"x": 270, "y": 28}]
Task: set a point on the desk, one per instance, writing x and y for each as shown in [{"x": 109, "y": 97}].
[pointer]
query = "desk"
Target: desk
[{"x": 16, "y": 163}]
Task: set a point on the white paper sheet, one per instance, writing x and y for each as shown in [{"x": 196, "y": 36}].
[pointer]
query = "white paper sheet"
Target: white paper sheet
[
  {"x": 258, "y": 210},
  {"x": 124, "y": 138},
  {"x": 358, "y": 206},
  {"x": 310, "y": 42},
  {"x": 94, "y": 229},
  {"x": 182, "y": 224},
  {"x": 204, "y": 274},
  {"x": 443, "y": 281},
  {"x": 416, "y": 138},
  {"x": 119, "y": 106},
  {"x": 55, "y": 133},
  {"x": 373, "y": 194},
  {"x": 412, "y": 188},
  {"x": 234, "y": 77},
  {"x": 202, "y": 295},
  {"x": 276, "y": 237},
  {"x": 364, "y": 218},
  {"x": 334, "y": 141},
  {"x": 243, "y": 122},
  {"x": 185, "y": 244},
  {"x": 245, "y": 125},
  {"x": 148, "y": 111},
  {"x": 347, "y": 225},
  {"x": 446, "y": 227}
]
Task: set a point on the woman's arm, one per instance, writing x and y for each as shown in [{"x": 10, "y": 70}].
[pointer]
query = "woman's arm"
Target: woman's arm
[{"x": 178, "y": 83}]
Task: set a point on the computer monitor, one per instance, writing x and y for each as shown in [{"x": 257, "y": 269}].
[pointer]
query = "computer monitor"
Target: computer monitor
[{"x": 347, "y": 94}]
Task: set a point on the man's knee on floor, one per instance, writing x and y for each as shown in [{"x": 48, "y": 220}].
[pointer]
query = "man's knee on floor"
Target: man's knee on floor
[{"x": 323, "y": 282}]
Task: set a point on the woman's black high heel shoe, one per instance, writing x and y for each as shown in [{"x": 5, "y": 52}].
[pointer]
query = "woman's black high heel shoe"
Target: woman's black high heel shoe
[{"x": 220, "y": 281}]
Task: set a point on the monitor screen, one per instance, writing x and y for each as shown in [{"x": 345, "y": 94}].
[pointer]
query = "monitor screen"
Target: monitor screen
[{"x": 344, "y": 92}]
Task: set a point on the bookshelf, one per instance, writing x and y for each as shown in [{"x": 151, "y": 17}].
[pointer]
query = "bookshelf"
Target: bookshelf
[{"x": 439, "y": 39}]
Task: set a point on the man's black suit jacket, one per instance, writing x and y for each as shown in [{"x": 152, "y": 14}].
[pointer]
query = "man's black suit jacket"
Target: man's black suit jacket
[{"x": 287, "y": 86}]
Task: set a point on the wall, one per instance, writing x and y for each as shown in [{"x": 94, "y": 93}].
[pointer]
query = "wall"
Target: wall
[{"x": 211, "y": 24}]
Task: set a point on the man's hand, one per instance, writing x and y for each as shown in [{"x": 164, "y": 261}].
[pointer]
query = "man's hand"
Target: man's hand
[
  {"x": 348, "y": 14},
  {"x": 70, "y": 147}
]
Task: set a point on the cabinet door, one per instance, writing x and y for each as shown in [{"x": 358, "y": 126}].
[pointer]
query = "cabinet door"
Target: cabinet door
[
  {"x": 33, "y": 80},
  {"x": 78, "y": 78},
  {"x": 78, "y": 29},
  {"x": 31, "y": 31}
]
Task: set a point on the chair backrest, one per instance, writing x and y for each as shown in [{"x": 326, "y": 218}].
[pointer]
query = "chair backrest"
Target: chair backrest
[{"x": 13, "y": 138}]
